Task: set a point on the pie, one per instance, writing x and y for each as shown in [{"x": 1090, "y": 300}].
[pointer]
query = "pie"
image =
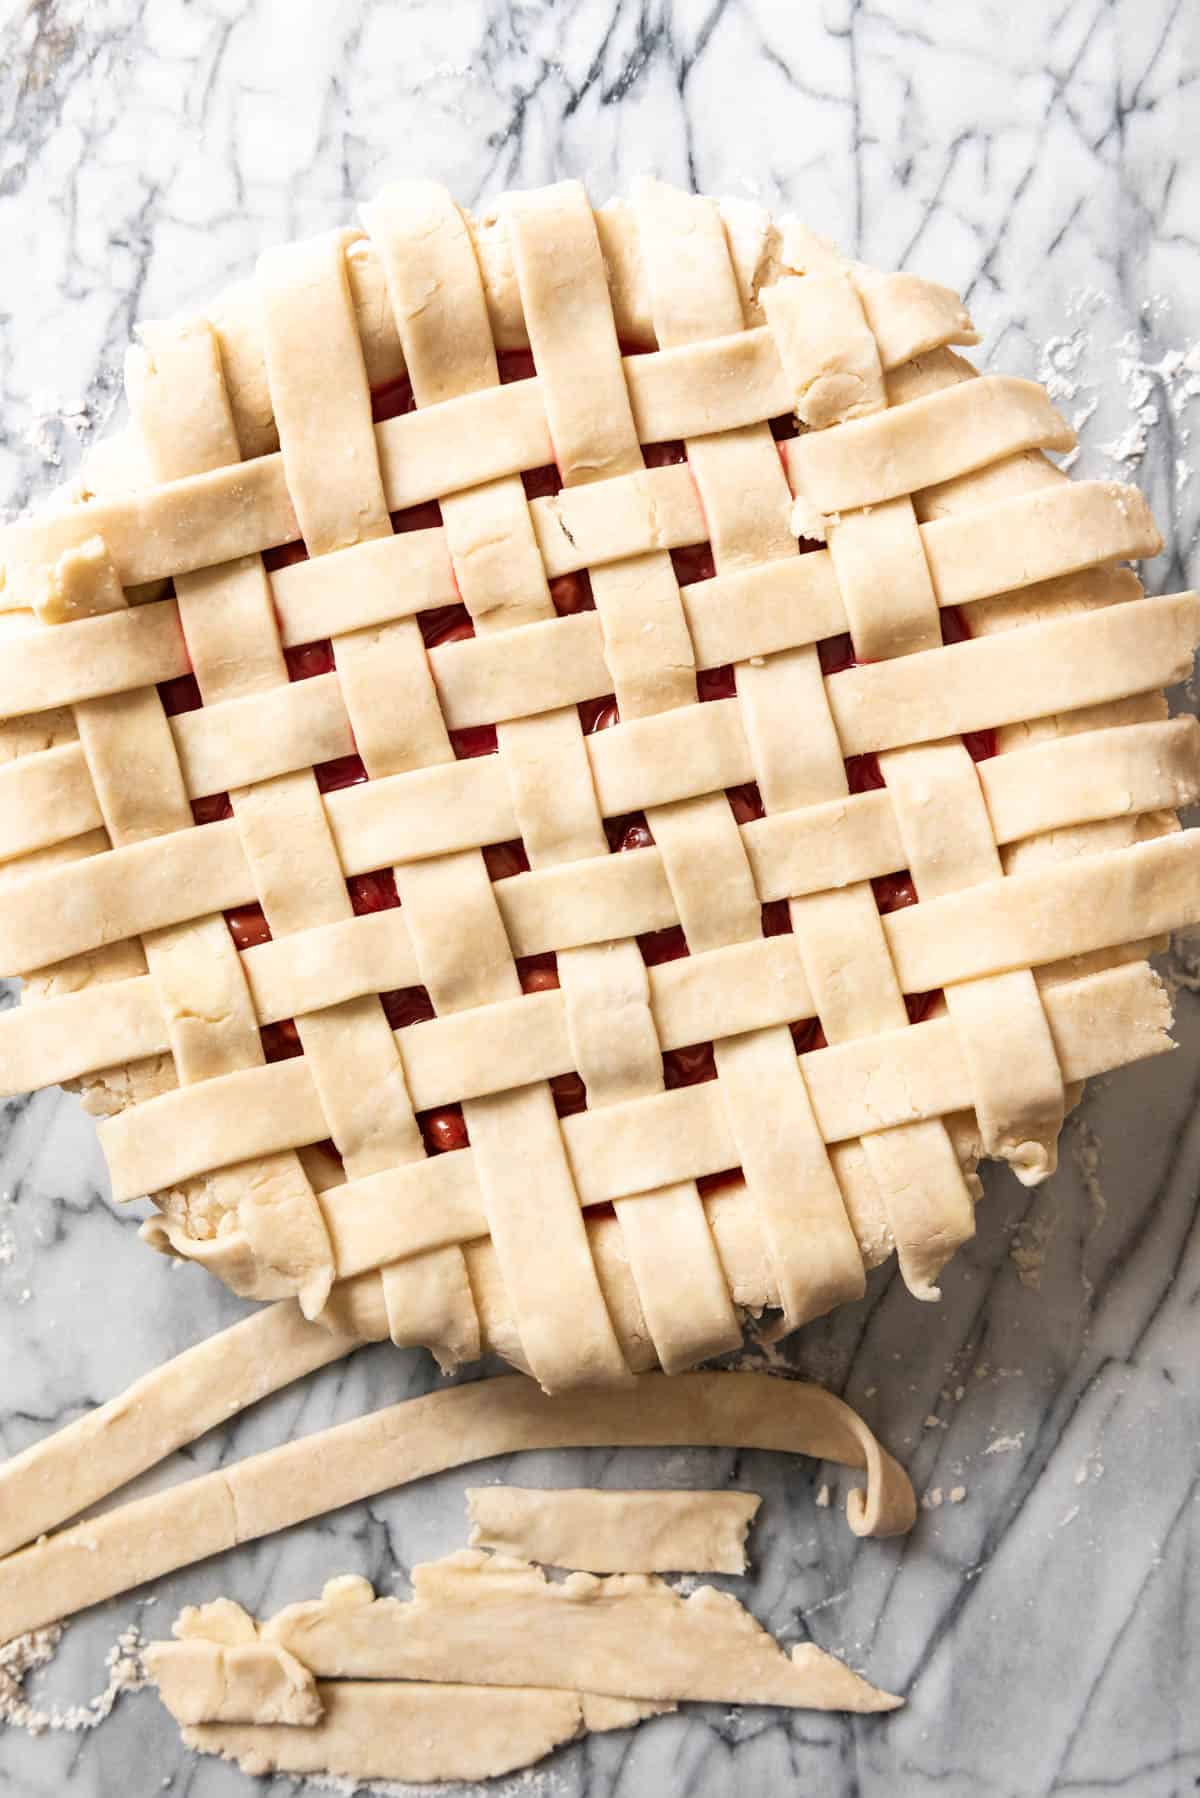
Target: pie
[{"x": 573, "y": 772}]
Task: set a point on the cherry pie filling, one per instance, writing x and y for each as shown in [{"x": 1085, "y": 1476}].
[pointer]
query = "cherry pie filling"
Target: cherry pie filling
[{"x": 445, "y": 1129}]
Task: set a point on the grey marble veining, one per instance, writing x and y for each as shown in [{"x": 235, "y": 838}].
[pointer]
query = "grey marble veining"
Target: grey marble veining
[{"x": 1042, "y": 159}]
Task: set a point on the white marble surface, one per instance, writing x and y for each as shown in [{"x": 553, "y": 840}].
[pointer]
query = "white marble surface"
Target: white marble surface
[{"x": 1045, "y": 1627}]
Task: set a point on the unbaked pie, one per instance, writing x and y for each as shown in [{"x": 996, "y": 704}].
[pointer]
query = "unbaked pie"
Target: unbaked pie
[{"x": 574, "y": 771}]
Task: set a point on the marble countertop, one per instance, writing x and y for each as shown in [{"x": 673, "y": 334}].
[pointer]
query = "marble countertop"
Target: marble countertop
[{"x": 1042, "y": 1618}]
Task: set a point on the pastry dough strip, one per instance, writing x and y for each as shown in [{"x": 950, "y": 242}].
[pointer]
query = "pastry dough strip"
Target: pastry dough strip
[
  {"x": 603, "y": 1531},
  {"x": 914, "y": 1071},
  {"x": 139, "y": 1541}
]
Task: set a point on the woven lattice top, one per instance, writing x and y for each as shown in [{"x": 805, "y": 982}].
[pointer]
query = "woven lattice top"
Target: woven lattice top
[{"x": 575, "y": 771}]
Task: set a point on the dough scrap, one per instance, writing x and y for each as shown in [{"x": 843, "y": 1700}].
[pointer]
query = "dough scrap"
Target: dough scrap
[
  {"x": 135, "y": 1542},
  {"x": 615, "y": 1532},
  {"x": 481, "y": 1619},
  {"x": 396, "y": 1730}
]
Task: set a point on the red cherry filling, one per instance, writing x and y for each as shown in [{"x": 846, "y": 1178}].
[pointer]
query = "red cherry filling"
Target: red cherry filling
[
  {"x": 407, "y": 1005},
  {"x": 572, "y": 593},
  {"x": 693, "y": 563},
  {"x": 373, "y": 892},
  {"x": 598, "y": 714},
  {"x": 503, "y": 860},
  {"x": 180, "y": 695},
  {"x": 281, "y": 1041},
  {"x": 690, "y": 1066},
  {"x": 443, "y": 1130}
]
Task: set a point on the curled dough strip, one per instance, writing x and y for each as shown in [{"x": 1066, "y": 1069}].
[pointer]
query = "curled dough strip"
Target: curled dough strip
[{"x": 151, "y": 1536}]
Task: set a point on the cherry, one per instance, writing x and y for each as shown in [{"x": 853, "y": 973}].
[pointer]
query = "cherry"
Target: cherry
[
  {"x": 425, "y": 517},
  {"x": 569, "y": 1094},
  {"x": 373, "y": 892},
  {"x": 658, "y": 946},
  {"x": 248, "y": 926},
  {"x": 503, "y": 860},
  {"x": 746, "y": 802},
  {"x": 863, "y": 773},
  {"x": 407, "y": 1005},
  {"x": 305, "y": 660},
  {"x": 344, "y": 771},
  {"x": 538, "y": 973},
  {"x": 180, "y": 695},
  {"x": 516, "y": 365},
  {"x": 572, "y": 593},
  {"x": 690, "y": 1066},
  {"x": 598, "y": 714},
  {"x": 476, "y": 739},
  {"x": 694, "y": 563},
  {"x": 392, "y": 399},
  {"x": 894, "y": 891},
  {"x": 212, "y": 809},
  {"x": 444, "y": 1130},
  {"x": 445, "y": 624},
  {"x": 541, "y": 483},
  {"x": 776, "y": 918},
  {"x": 716, "y": 683},
  {"x": 281, "y": 1041},
  {"x": 284, "y": 555},
  {"x": 807, "y": 1034}
]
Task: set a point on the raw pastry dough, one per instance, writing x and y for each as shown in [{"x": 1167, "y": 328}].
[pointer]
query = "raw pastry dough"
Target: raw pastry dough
[
  {"x": 483, "y": 1620},
  {"x": 477, "y": 1617},
  {"x": 138, "y": 1541},
  {"x": 416, "y": 1733},
  {"x": 615, "y": 1532},
  {"x": 395, "y": 731}
]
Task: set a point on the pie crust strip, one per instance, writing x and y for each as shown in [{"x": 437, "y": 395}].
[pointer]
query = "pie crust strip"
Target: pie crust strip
[
  {"x": 1152, "y": 887},
  {"x": 602, "y": 1531},
  {"x": 151, "y": 1536}
]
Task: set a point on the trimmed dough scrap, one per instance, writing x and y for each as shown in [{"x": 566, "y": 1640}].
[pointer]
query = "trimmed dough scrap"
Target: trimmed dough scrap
[
  {"x": 437, "y": 1686},
  {"x": 615, "y": 1532},
  {"x": 628, "y": 1635},
  {"x": 416, "y": 1733}
]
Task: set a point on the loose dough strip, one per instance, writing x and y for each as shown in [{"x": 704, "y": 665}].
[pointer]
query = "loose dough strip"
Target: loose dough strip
[
  {"x": 475, "y": 1619},
  {"x": 173, "y": 1404},
  {"x": 418, "y": 1733},
  {"x": 615, "y": 1532},
  {"x": 139, "y": 1541}
]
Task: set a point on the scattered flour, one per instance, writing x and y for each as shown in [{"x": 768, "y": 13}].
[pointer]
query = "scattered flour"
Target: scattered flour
[
  {"x": 822, "y": 1499},
  {"x": 1005, "y": 1445},
  {"x": 24, "y": 1655},
  {"x": 1156, "y": 392},
  {"x": 1085, "y": 1153}
]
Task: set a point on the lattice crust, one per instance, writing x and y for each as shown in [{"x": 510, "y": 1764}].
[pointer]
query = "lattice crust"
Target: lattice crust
[{"x": 954, "y": 693}]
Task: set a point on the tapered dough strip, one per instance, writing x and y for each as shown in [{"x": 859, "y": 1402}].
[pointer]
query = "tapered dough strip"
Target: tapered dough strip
[
  {"x": 477, "y": 1619},
  {"x": 595, "y": 1531},
  {"x": 173, "y": 1404},
  {"x": 318, "y": 1473},
  {"x": 415, "y": 1733}
]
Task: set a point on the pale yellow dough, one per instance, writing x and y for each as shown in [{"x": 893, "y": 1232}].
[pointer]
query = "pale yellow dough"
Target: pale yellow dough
[
  {"x": 615, "y": 1532},
  {"x": 1044, "y": 873},
  {"x": 138, "y": 1541}
]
